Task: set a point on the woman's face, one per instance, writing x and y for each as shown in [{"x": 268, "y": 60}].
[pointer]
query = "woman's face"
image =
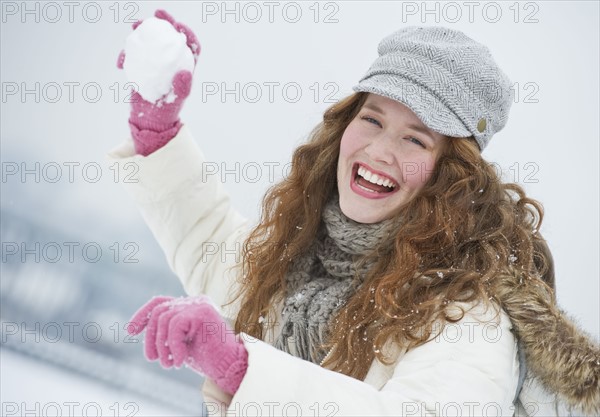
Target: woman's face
[{"x": 385, "y": 143}]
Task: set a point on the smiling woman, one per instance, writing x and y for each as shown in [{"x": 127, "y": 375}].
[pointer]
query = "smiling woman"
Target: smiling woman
[{"x": 376, "y": 261}]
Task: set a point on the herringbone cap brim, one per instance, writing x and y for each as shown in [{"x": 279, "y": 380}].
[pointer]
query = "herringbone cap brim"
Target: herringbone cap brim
[{"x": 450, "y": 81}]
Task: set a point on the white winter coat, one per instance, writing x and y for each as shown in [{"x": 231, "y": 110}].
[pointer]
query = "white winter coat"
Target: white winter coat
[{"x": 472, "y": 368}]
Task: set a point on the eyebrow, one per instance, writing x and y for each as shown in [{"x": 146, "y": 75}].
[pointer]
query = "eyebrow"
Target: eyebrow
[{"x": 415, "y": 127}]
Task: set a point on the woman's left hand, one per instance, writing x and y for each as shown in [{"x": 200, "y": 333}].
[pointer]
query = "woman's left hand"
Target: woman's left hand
[{"x": 190, "y": 331}]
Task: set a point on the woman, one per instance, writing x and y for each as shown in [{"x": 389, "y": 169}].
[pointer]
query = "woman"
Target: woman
[{"x": 392, "y": 272}]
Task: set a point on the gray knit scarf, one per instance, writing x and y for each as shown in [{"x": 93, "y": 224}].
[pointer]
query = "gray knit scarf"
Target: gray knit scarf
[{"x": 320, "y": 281}]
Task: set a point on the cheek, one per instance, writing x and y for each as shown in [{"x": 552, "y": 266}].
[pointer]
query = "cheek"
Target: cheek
[{"x": 351, "y": 141}]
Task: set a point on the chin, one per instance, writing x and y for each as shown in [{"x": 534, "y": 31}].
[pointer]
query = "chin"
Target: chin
[{"x": 357, "y": 214}]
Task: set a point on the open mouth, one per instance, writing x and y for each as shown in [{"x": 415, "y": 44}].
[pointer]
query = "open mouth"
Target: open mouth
[{"x": 372, "y": 182}]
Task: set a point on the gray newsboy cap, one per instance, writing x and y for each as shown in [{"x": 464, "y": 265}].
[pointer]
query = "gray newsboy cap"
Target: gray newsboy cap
[{"x": 450, "y": 81}]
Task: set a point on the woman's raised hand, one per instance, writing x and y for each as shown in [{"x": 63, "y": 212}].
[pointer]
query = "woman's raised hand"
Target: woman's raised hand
[
  {"x": 190, "y": 331},
  {"x": 160, "y": 62}
]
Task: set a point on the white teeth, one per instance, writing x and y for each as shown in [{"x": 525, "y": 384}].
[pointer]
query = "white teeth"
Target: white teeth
[{"x": 374, "y": 178}]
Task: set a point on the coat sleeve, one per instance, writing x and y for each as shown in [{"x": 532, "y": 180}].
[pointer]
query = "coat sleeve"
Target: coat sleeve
[
  {"x": 190, "y": 215},
  {"x": 469, "y": 369}
]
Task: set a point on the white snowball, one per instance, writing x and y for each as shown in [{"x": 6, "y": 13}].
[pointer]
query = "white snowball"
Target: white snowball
[{"x": 154, "y": 53}]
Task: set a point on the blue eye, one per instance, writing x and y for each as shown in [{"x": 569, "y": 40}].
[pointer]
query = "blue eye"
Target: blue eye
[
  {"x": 371, "y": 120},
  {"x": 416, "y": 141}
]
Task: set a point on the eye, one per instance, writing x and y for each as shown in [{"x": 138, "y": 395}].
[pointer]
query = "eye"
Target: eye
[
  {"x": 371, "y": 120},
  {"x": 416, "y": 141}
]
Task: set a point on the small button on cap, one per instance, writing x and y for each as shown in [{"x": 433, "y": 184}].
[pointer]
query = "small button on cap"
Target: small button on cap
[{"x": 481, "y": 125}]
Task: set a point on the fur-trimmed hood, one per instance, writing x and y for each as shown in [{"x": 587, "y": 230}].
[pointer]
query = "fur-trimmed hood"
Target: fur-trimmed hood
[{"x": 562, "y": 361}]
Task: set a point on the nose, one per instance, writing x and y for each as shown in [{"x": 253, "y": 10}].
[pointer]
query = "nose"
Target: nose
[{"x": 380, "y": 150}]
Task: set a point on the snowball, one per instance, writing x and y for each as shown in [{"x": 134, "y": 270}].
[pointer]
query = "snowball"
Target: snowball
[{"x": 154, "y": 53}]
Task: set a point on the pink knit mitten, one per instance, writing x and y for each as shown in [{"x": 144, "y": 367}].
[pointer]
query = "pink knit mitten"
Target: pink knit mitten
[
  {"x": 153, "y": 125},
  {"x": 190, "y": 331}
]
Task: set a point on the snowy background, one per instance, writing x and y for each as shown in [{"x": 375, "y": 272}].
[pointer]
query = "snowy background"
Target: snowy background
[{"x": 264, "y": 78}]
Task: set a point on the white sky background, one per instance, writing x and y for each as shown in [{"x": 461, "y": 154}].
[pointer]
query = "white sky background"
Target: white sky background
[{"x": 552, "y": 133}]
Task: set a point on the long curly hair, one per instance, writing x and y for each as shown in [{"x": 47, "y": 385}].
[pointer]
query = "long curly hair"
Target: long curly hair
[{"x": 466, "y": 236}]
